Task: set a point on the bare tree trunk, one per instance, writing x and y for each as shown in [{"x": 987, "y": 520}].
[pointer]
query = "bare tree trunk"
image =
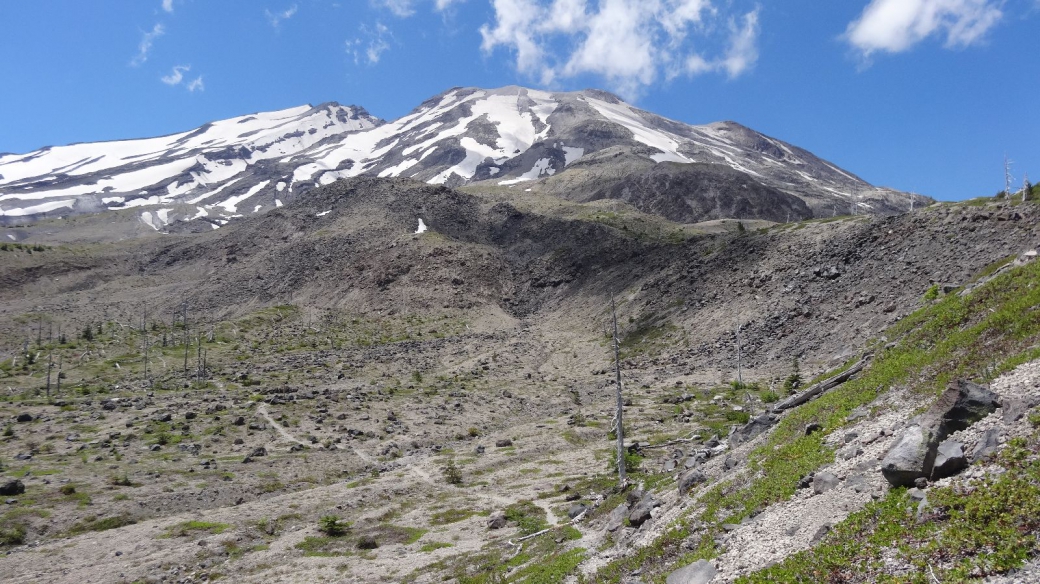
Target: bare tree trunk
[
  {"x": 1007, "y": 177},
  {"x": 59, "y": 373},
  {"x": 144, "y": 331},
  {"x": 199, "y": 370},
  {"x": 740, "y": 375},
  {"x": 618, "y": 417},
  {"x": 50, "y": 365},
  {"x": 187, "y": 342}
]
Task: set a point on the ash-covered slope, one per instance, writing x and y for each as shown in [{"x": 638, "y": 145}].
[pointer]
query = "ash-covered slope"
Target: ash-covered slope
[{"x": 582, "y": 146}]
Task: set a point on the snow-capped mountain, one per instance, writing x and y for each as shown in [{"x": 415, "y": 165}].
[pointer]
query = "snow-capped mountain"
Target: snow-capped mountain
[{"x": 506, "y": 137}]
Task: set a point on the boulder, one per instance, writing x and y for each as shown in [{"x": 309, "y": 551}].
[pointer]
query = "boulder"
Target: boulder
[
  {"x": 987, "y": 445},
  {"x": 949, "y": 460},
  {"x": 753, "y": 428},
  {"x": 699, "y": 572},
  {"x": 690, "y": 479},
  {"x": 823, "y": 482},
  {"x": 913, "y": 456},
  {"x": 1014, "y": 409},
  {"x": 496, "y": 521},
  {"x": 961, "y": 405},
  {"x": 641, "y": 511},
  {"x": 24, "y": 418},
  {"x": 12, "y": 487},
  {"x": 616, "y": 519},
  {"x": 576, "y": 510},
  {"x": 505, "y": 443}
]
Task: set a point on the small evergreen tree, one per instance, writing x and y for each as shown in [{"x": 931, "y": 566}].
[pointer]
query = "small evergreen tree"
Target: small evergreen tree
[{"x": 794, "y": 380}]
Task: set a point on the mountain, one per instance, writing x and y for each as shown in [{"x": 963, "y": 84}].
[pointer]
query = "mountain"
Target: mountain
[
  {"x": 581, "y": 146},
  {"x": 325, "y": 363}
]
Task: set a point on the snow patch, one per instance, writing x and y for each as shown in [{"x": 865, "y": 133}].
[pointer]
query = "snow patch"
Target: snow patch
[
  {"x": 323, "y": 213},
  {"x": 231, "y": 205},
  {"x": 280, "y": 186},
  {"x": 40, "y": 208},
  {"x": 422, "y": 227},
  {"x": 571, "y": 154},
  {"x": 277, "y": 203}
]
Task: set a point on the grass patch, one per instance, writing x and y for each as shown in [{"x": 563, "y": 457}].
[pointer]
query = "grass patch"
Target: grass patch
[
  {"x": 527, "y": 516},
  {"x": 449, "y": 516},
  {"x": 187, "y": 528},
  {"x": 93, "y": 523},
  {"x": 973, "y": 529}
]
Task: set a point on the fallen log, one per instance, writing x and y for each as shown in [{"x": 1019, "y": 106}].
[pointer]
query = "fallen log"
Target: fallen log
[{"x": 821, "y": 387}]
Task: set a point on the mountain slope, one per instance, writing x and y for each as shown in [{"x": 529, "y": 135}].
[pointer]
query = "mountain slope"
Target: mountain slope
[{"x": 583, "y": 146}]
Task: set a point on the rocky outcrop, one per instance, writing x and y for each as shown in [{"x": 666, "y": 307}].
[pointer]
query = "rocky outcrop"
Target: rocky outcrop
[{"x": 914, "y": 455}]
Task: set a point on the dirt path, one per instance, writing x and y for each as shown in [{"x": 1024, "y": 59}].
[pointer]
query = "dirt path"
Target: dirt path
[{"x": 262, "y": 410}]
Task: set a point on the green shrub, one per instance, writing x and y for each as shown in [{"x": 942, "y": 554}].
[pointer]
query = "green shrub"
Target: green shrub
[
  {"x": 332, "y": 526},
  {"x": 12, "y": 534},
  {"x": 452, "y": 473}
]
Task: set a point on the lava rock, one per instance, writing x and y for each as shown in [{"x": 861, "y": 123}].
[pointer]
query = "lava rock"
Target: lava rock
[
  {"x": 961, "y": 405},
  {"x": 824, "y": 482},
  {"x": 690, "y": 479},
  {"x": 949, "y": 460},
  {"x": 641, "y": 511},
  {"x": 616, "y": 519},
  {"x": 12, "y": 487},
  {"x": 496, "y": 521},
  {"x": 987, "y": 445},
  {"x": 699, "y": 572}
]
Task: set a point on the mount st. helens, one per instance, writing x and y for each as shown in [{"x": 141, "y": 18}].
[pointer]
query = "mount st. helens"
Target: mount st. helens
[{"x": 582, "y": 146}]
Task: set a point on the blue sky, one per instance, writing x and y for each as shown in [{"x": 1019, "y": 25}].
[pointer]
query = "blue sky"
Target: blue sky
[{"x": 921, "y": 95}]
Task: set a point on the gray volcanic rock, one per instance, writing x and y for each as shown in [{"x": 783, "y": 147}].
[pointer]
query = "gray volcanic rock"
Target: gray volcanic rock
[
  {"x": 914, "y": 455},
  {"x": 699, "y": 572}
]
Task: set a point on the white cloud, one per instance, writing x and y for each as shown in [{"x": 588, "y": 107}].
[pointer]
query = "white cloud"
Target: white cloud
[
  {"x": 406, "y": 8},
  {"x": 145, "y": 46},
  {"x": 630, "y": 43},
  {"x": 167, "y": 5},
  {"x": 370, "y": 49},
  {"x": 276, "y": 18},
  {"x": 743, "y": 47},
  {"x": 895, "y": 26},
  {"x": 400, "y": 8},
  {"x": 177, "y": 75},
  {"x": 196, "y": 85}
]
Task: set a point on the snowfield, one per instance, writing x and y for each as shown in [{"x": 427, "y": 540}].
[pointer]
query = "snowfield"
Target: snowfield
[{"x": 255, "y": 162}]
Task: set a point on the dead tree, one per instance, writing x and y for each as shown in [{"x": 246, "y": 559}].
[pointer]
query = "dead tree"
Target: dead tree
[
  {"x": 1007, "y": 177},
  {"x": 59, "y": 373},
  {"x": 187, "y": 339},
  {"x": 144, "y": 342},
  {"x": 619, "y": 426},
  {"x": 740, "y": 375},
  {"x": 50, "y": 365}
]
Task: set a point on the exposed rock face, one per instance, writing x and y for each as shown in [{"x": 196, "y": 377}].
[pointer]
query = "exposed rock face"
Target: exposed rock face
[{"x": 914, "y": 455}]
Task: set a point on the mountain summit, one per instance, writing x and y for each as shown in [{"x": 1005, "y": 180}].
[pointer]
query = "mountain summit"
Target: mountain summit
[{"x": 581, "y": 146}]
